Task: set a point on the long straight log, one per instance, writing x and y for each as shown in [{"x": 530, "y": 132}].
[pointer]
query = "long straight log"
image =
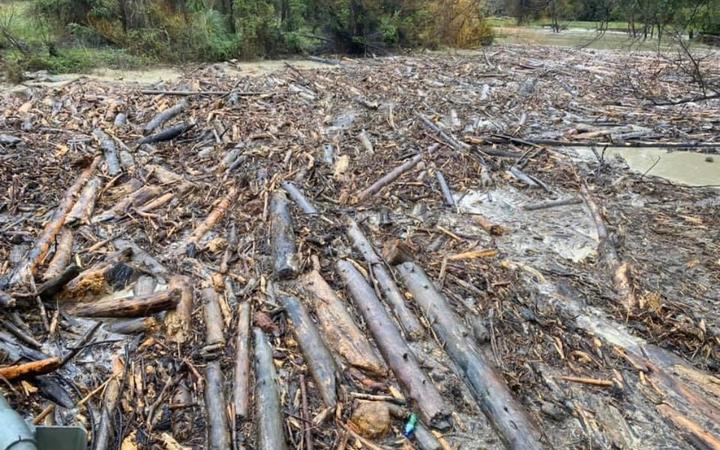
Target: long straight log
[
  {"x": 407, "y": 319},
  {"x": 27, "y": 266},
  {"x": 63, "y": 253},
  {"x": 139, "y": 306},
  {"x": 270, "y": 429},
  {"x": 85, "y": 205},
  {"x": 167, "y": 134},
  {"x": 394, "y": 349},
  {"x": 32, "y": 368},
  {"x": 491, "y": 393},
  {"x": 179, "y": 321},
  {"x": 109, "y": 150},
  {"x": 164, "y": 116},
  {"x": 317, "y": 356},
  {"x": 337, "y": 326},
  {"x": 298, "y": 197},
  {"x": 218, "y": 434},
  {"x": 241, "y": 396},
  {"x": 390, "y": 177},
  {"x": 110, "y": 401},
  {"x": 282, "y": 237},
  {"x": 213, "y": 318}
]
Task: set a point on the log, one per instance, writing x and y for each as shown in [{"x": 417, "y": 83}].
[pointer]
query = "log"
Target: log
[
  {"x": 493, "y": 396},
  {"x": 390, "y": 177},
  {"x": 85, "y": 205},
  {"x": 445, "y": 189},
  {"x": 132, "y": 326},
  {"x": 298, "y": 197},
  {"x": 491, "y": 228},
  {"x": 396, "y": 252},
  {"x": 157, "y": 203},
  {"x": 97, "y": 280},
  {"x": 213, "y": 319},
  {"x": 110, "y": 401},
  {"x": 282, "y": 237},
  {"x": 51, "y": 287},
  {"x": 242, "y": 363},
  {"x": 164, "y": 116},
  {"x": 138, "y": 306},
  {"x": 27, "y": 266},
  {"x": 63, "y": 253},
  {"x": 6, "y": 301},
  {"x": 137, "y": 198},
  {"x": 166, "y": 176},
  {"x": 552, "y": 204},
  {"x": 215, "y": 216},
  {"x": 392, "y": 294},
  {"x": 218, "y": 434},
  {"x": 32, "y": 368},
  {"x": 337, "y": 326},
  {"x": 181, "y": 93},
  {"x": 140, "y": 256},
  {"x": 317, "y": 356},
  {"x": 694, "y": 433},
  {"x": 109, "y": 151},
  {"x": 450, "y": 140},
  {"x": 178, "y": 323},
  {"x": 394, "y": 349},
  {"x": 167, "y": 134},
  {"x": 270, "y": 423}
]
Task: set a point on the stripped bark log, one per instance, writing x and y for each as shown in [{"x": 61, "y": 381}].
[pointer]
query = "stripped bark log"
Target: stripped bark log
[
  {"x": 336, "y": 324},
  {"x": 167, "y": 134},
  {"x": 405, "y": 317},
  {"x": 32, "y": 368},
  {"x": 51, "y": 287},
  {"x": 213, "y": 319},
  {"x": 109, "y": 151},
  {"x": 139, "y": 306},
  {"x": 218, "y": 435},
  {"x": 110, "y": 401},
  {"x": 298, "y": 197},
  {"x": 164, "y": 116},
  {"x": 491, "y": 393},
  {"x": 270, "y": 428},
  {"x": 317, "y": 356},
  {"x": 26, "y": 268},
  {"x": 218, "y": 212},
  {"x": 138, "y": 198},
  {"x": 157, "y": 203},
  {"x": 242, "y": 362},
  {"x": 390, "y": 177},
  {"x": 396, "y": 352},
  {"x": 85, "y": 205},
  {"x": 179, "y": 321},
  {"x": 63, "y": 253},
  {"x": 445, "y": 189},
  {"x": 282, "y": 237},
  {"x": 166, "y": 176}
]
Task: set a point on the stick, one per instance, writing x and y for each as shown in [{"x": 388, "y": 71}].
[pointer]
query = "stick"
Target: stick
[
  {"x": 282, "y": 237},
  {"x": 109, "y": 150},
  {"x": 164, "y": 116},
  {"x": 270, "y": 429},
  {"x": 298, "y": 197},
  {"x": 449, "y": 139},
  {"x": 491, "y": 393},
  {"x": 242, "y": 362},
  {"x": 306, "y": 415},
  {"x": 190, "y": 93},
  {"x": 317, "y": 356},
  {"x": 445, "y": 188},
  {"x": 553, "y": 203},
  {"x": 110, "y": 400},
  {"x": 83, "y": 209},
  {"x": 218, "y": 434},
  {"x": 32, "y": 368},
  {"x": 396, "y": 352},
  {"x": 390, "y": 177},
  {"x": 138, "y": 306},
  {"x": 63, "y": 253},
  {"x": 590, "y": 381}
]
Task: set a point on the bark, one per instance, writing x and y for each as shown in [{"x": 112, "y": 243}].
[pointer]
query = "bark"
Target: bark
[
  {"x": 63, "y": 253},
  {"x": 394, "y": 349},
  {"x": 83, "y": 209},
  {"x": 242, "y": 362},
  {"x": 110, "y": 400},
  {"x": 218, "y": 435},
  {"x": 491, "y": 393},
  {"x": 282, "y": 237},
  {"x": 317, "y": 356},
  {"x": 298, "y": 197},
  {"x": 32, "y": 368},
  {"x": 166, "y": 134},
  {"x": 178, "y": 322},
  {"x": 164, "y": 116},
  {"x": 109, "y": 150},
  {"x": 337, "y": 326},
  {"x": 270, "y": 423},
  {"x": 139, "y": 306},
  {"x": 390, "y": 177}
]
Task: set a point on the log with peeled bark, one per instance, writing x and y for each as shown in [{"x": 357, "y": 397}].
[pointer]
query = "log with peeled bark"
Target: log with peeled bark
[
  {"x": 139, "y": 306},
  {"x": 51, "y": 287},
  {"x": 390, "y": 177},
  {"x": 164, "y": 116},
  {"x": 132, "y": 326},
  {"x": 268, "y": 413},
  {"x": 167, "y": 134},
  {"x": 282, "y": 237},
  {"x": 179, "y": 321},
  {"x": 110, "y": 400},
  {"x": 317, "y": 356},
  {"x": 218, "y": 434},
  {"x": 85, "y": 205},
  {"x": 62, "y": 256},
  {"x": 241, "y": 397},
  {"x": 214, "y": 325},
  {"x": 109, "y": 151},
  {"x": 32, "y": 368},
  {"x": 218, "y": 212},
  {"x": 337, "y": 326},
  {"x": 394, "y": 349},
  {"x": 493, "y": 396},
  {"x": 298, "y": 197},
  {"x": 390, "y": 291},
  {"x": 27, "y": 266},
  {"x": 138, "y": 198},
  {"x": 99, "y": 279},
  {"x": 167, "y": 177}
]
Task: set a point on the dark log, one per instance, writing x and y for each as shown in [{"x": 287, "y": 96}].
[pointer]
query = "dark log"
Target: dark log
[
  {"x": 392, "y": 294},
  {"x": 51, "y": 287},
  {"x": 215, "y": 408},
  {"x": 425, "y": 439},
  {"x": 63, "y": 253},
  {"x": 445, "y": 189},
  {"x": 110, "y": 400},
  {"x": 129, "y": 307},
  {"x": 241, "y": 398},
  {"x": 317, "y": 356},
  {"x": 179, "y": 322},
  {"x": 109, "y": 151},
  {"x": 390, "y": 177},
  {"x": 132, "y": 326},
  {"x": 337, "y": 326},
  {"x": 21, "y": 334},
  {"x": 32, "y": 368},
  {"x": 298, "y": 197},
  {"x": 164, "y": 116},
  {"x": 268, "y": 413},
  {"x": 491, "y": 393},
  {"x": 167, "y": 134},
  {"x": 394, "y": 349},
  {"x": 282, "y": 237}
]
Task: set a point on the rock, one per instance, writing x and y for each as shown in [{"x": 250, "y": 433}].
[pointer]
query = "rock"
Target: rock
[{"x": 372, "y": 419}]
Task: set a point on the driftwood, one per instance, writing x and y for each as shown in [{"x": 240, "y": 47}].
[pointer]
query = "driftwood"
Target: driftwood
[
  {"x": 6, "y": 301},
  {"x": 167, "y": 134},
  {"x": 157, "y": 203},
  {"x": 164, "y": 116},
  {"x": 445, "y": 136},
  {"x": 316, "y": 354},
  {"x": 214, "y": 325},
  {"x": 270, "y": 423},
  {"x": 32, "y": 368},
  {"x": 51, "y": 287},
  {"x": 166, "y": 176},
  {"x": 63, "y": 253},
  {"x": 444, "y": 188},
  {"x": 241, "y": 386},
  {"x": 26, "y": 268},
  {"x": 396, "y": 352},
  {"x": 552, "y": 203},
  {"x": 392, "y": 294},
  {"x": 138, "y": 306},
  {"x": 390, "y": 177},
  {"x": 132, "y": 326},
  {"x": 99, "y": 279},
  {"x": 85, "y": 205},
  {"x": 491, "y": 393},
  {"x": 180, "y": 93},
  {"x": 109, "y": 151},
  {"x": 396, "y": 252},
  {"x": 337, "y": 326},
  {"x": 215, "y": 216},
  {"x": 137, "y": 198},
  {"x": 110, "y": 401},
  {"x": 536, "y": 142},
  {"x": 298, "y": 197},
  {"x": 282, "y": 237},
  {"x": 140, "y": 256},
  {"x": 178, "y": 322},
  {"x": 218, "y": 435}
]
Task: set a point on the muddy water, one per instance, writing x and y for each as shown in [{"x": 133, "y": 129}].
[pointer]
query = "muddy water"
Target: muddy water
[{"x": 692, "y": 169}]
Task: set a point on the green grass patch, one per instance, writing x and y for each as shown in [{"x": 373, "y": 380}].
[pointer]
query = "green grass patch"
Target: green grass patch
[{"x": 75, "y": 60}]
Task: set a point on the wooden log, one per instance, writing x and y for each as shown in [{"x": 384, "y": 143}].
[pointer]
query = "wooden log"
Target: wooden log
[
  {"x": 449, "y": 139},
  {"x": 390, "y": 177},
  {"x": 6, "y": 301},
  {"x": 168, "y": 177},
  {"x": 178, "y": 322},
  {"x": 215, "y": 408},
  {"x": 282, "y": 237},
  {"x": 157, "y": 203},
  {"x": 213, "y": 319},
  {"x": 392, "y": 294},
  {"x": 63, "y": 253},
  {"x": 552, "y": 204},
  {"x": 139, "y": 306},
  {"x": 493, "y": 396},
  {"x": 241, "y": 397},
  {"x": 424, "y": 438},
  {"x": 99, "y": 279},
  {"x": 695, "y": 434},
  {"x": 337, "y": 326},
  {"x": 298, "y": 197},
  {"x": 215, "y": 216},
  {"x": 394, "y": 349},
  {"x": 138, "y": 198},
  {"x": 85, "y": 205},
  {"x": 109, "y": 151},
  {"x": 210, "y": 93},
  {"x": 110, "y": 400},
  {"x": 133, "y": 326},
  {"x": 167, "y": 134},
  {"x": 32, "y": 368},
  {"x": 489, "y": 227},
  {"x": 445, "y": 189},
  {"x": 396, "y": 252},
  {"x": 164, "y": 116},
  {"x": 317, "y": 356},
  {"x": 140, "y": 256},
  {"x": 51, "y": 287},
  {"x": 270, "y": 423},
  {"x": 27, "y": 266}
]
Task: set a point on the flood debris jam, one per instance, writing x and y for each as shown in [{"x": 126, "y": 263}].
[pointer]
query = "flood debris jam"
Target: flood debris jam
[{"x": 428, "y": 252}]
